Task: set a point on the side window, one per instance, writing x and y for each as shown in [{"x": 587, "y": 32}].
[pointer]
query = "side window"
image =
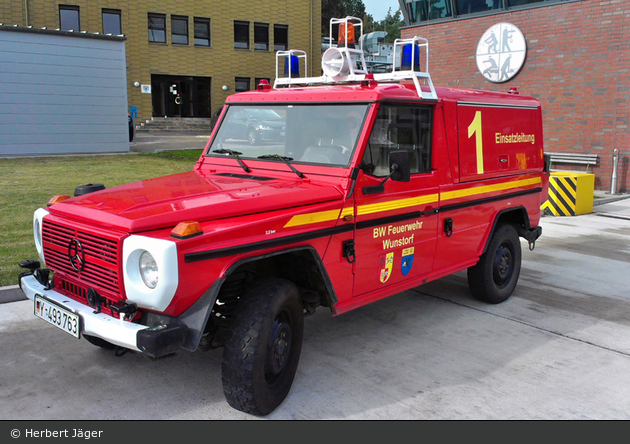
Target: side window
[
  {"x": 241, "y": 34},
  {"x": 69, "y": 19},
  {"x": 399, "y": 127},
  {"x": 280, "y": 37},
  {"x": 111, "y": 21},
  {"x": 202, "y": 31},
  {"x": 241, "y": 84},
  {"x": 157, "y": 28},
  {"x": 179, "y": 30}
]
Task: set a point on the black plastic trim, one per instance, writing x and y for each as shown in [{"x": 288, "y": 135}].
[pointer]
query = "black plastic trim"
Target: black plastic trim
[
  {"x": 388, "y": 220},
  {"x": 162, "y": 340},
  {"x": 272, "y": 243},
  {"x": 175, "y": 236}
]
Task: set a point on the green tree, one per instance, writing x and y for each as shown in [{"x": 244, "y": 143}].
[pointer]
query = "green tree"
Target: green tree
[
  {"x": 340, "y": 9},
  {"x": 392, "y": 24}
]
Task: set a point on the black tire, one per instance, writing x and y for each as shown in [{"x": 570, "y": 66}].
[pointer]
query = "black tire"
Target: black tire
[
  {"x": 102, "y": 343},
  {"x": 261, "y": 356},
  {"x": 494, "y": 277},
  {"x": 253, "y": 137}
]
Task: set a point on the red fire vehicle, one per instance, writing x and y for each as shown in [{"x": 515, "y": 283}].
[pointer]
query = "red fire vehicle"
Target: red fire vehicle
[{"x": 360, "y": 187}]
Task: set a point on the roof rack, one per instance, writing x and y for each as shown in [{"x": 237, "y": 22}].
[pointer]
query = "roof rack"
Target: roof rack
[{"x": 345, "y": 62}]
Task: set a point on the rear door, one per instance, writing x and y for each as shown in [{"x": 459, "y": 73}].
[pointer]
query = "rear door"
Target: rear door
[{"x": 396, "y": 230}]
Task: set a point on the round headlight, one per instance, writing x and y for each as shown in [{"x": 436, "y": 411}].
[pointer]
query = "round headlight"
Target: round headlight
[{"x": 148, "y": 270}]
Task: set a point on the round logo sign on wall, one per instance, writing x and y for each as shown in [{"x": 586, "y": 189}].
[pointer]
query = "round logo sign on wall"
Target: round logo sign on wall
[{"x": 501, "y": 52}]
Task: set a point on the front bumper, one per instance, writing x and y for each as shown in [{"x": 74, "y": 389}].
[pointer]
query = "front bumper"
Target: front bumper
[{"x": 151, "y": 341}]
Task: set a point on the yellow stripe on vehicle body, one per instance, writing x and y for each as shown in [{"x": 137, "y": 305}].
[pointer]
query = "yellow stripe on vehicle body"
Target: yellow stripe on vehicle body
[
  {"x": 396, "y": 204},
  {"x": 381, "y": 207},
  {"x": 473, "y": 191},
  {"x": 312, "y": 218},
  {"x": 320, "y": 216}
]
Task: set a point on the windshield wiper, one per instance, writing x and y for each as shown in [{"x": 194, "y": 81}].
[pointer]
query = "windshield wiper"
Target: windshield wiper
[
  {"x": 235, "y": 154},
  {"x": 285, "y": 159}
]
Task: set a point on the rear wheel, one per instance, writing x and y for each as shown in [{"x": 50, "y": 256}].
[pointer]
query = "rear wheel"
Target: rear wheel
[
  {"x": 261, "y": 356},
  {"x": 494, "y": 277}
]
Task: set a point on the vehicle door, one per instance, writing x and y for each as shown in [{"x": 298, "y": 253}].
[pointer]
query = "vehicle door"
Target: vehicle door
[{"x": 396, "y": 228}]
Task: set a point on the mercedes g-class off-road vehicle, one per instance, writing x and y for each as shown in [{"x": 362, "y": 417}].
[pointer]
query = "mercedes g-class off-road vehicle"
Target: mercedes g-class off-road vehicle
[{"x": 332, "y": 191}]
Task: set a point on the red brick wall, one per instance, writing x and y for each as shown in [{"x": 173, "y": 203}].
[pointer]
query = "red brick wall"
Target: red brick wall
[{"x": 577, "y": 65}]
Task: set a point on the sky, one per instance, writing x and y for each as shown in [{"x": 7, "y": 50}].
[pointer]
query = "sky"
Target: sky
[{"x": 378, "y": 8}]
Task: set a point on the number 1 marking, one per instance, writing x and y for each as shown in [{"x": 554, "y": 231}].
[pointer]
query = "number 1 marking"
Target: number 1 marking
[{"x": 475, "y": 128}]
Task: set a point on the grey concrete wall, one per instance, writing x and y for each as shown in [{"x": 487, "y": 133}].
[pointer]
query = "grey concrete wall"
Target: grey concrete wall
[{"x": 62, "y": 94}]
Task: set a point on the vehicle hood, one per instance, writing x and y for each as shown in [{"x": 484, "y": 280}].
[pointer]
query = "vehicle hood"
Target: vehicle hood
[{"x": 192, "y": 196}]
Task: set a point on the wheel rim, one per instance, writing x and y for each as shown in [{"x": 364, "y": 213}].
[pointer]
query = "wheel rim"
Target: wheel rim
[
  {"x": 503, "y": 266},
  {"x": 279, "y": 347},
  {"x": 252, "y": 136}
]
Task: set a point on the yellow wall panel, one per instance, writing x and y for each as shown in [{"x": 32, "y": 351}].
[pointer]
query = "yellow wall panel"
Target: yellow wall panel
[{"x": 221, "y": 61}]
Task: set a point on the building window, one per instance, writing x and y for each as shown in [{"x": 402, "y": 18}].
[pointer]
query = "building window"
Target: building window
[
  {"x": 423, "y": 10},
  {"x": 241, "y": 35},
  {"x": 179, "y": 30},
  {"x": 472, "y": 6},
  {"x": 261, "y": 37},
  {"x": 69, "y": 18},
  {"x": 280, "y": 37},
  {"x": 157, "y": 28},
  {"x": 242, "y": 84},
  {"x": 419, "y": 11},
  {"x": 202, "y": 31},
  {"x": 111, "y": 22}
]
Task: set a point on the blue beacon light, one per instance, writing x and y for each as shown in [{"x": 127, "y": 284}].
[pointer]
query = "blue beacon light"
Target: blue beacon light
[
  {"x": 406, "y": 58},
  {"x": 294, "y": 65}
]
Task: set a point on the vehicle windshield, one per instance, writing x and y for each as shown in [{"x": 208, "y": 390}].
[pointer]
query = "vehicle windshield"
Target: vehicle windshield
[{"x": 301, "y": 134}]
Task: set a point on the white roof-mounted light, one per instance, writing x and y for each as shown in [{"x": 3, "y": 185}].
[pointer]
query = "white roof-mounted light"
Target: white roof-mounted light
[{"x": 346, "y": 59}]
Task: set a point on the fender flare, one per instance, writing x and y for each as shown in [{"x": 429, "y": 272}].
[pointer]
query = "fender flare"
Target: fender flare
[
  {"x": 318, "y": 260},
  {"x": 196, "y": 317},
  {"x": 522, "y": 211}
]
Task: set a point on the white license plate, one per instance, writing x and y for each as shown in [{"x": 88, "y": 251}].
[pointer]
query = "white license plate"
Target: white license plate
[{"x": 56, "y": 315}]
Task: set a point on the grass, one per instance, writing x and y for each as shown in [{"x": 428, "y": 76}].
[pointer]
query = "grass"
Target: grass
[{"x": 27, "y": 184}]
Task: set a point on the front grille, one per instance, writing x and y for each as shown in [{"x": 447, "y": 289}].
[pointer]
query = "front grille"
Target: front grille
[
  {"x": 70, "y": 288},
  {"x": 101, "y": 249}
]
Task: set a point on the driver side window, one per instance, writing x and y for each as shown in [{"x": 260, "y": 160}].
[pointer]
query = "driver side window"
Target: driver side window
[{"x": 399, "y": 127}]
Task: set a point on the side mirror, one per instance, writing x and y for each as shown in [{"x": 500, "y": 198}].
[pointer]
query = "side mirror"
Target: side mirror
[
  {"x": 400, "y": 171},
  {"x": 400, "y": 166}
]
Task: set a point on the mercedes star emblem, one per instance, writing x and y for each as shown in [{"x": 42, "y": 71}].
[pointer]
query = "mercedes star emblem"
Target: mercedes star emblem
[{"x": 76, "y": 254}]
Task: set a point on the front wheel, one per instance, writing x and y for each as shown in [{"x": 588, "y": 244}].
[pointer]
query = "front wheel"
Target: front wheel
[
  {"x": 494, "y": 277},
  {"x": 261, "y": 356}
]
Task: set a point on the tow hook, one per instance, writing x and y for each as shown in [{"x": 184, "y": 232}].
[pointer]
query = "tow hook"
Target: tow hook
[{"x": 530, "y": 235}]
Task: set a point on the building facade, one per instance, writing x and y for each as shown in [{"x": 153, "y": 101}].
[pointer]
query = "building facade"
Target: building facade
[
  {"x": 577, "y": 65},
  {"x": 185, "y": 58}
]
